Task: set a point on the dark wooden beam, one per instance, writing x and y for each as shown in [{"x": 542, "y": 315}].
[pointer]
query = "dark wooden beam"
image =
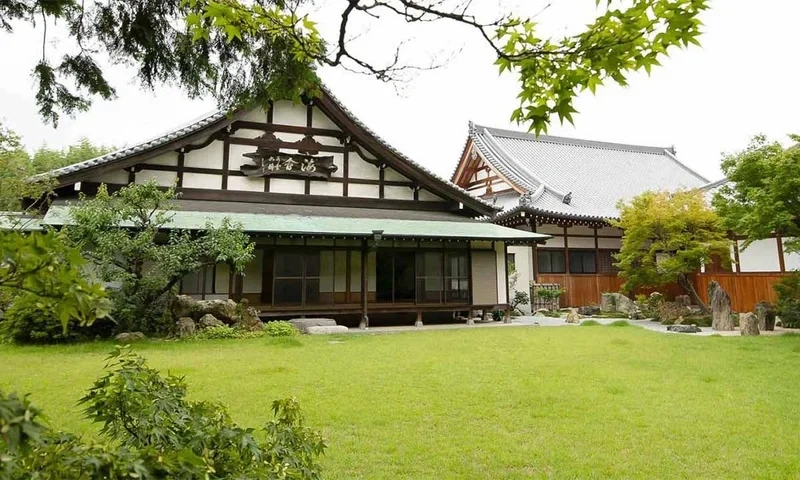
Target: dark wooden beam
[
  {"x": 255, "y": 142},
  {"x": 181, "y": 166},
  {"x": 364, "y": 283},
  {"x": 226, "y": 156}
]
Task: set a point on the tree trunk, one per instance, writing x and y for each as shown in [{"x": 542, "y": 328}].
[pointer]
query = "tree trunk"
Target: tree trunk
[{"x": 687, "y": 285}]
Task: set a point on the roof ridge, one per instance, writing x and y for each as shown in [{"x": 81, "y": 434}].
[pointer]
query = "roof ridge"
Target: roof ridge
[
  {"x": 672, "y": 157},
  {"x": 580, "y": 142}
]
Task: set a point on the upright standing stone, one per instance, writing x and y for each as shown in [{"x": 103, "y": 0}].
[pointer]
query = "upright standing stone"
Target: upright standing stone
[
  {"x": 683, "y": 300},
  {"x": 748, "y": 324},
  {"x": 720, "y": 307},
  {"x": 573, "y": 317},
  {"x": 765, "y": 313}
]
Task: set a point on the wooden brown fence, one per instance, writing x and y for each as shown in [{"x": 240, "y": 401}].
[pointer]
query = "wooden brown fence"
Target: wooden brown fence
[{"x": 745, "y": 289}]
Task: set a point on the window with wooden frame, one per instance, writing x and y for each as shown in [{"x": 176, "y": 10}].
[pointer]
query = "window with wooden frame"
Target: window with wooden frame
[
  {"x": 582, "y": 261},
  {"x": 550, "y": 261},
  {"x": 605, "y": 262},
  {"x": 199, "y": 283},
  {"x": 457, "y": 277}
]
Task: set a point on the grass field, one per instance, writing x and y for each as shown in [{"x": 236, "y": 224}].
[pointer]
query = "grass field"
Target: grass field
[{"x": 599, "y": 402}]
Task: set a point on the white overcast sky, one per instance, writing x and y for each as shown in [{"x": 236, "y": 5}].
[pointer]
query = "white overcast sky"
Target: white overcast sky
[{"x": 704, "y": 101}]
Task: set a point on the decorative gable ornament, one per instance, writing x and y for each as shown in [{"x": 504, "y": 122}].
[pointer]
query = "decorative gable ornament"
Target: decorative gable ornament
[{"x": 272, "y": 163}]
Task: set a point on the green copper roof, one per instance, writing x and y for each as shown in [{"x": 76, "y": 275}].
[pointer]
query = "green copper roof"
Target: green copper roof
[{"x": 331, "y": 226}]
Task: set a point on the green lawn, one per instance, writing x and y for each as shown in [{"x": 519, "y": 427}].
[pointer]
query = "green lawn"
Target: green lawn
[{"x": 487, "y": 402}]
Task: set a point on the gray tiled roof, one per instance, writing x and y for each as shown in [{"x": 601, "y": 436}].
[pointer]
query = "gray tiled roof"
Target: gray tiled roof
[
  {"x": 220, "y": 115},
  {"x": 152, "y": 143},
  {"x": 595, "y": 175}
]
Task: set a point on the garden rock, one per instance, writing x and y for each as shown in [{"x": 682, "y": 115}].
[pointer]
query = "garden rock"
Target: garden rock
[
  {"x": 224, "y": 310},
  {"x": 209, "y": 320},
  {"x": 303, "y": 324},
  {"x": 765, "y": 312},
  {"x": 184, "y": 327},
  {"x": 589, "y": 310},
  {"x": 573, "y": 317},
  {"x": 684, "y": 328},
  {"x": 539, "y": 314},
  {"x": 616, "y": 302},
  {"x": 326, "y": 329},
  {"x": 249, "y": 320},
  {"x": 683, "y": 300},
  {"x": 130, "y": 337},
  {"x": 670, "y": 312},
  {"x": 184, "y": 306},
  {"x": 720, "y": 307},
  {"x": 748, "y": 324}
]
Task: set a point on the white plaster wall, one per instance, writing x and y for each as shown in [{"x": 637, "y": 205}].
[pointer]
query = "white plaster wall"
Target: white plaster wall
[
  {"x": 287, "y": 185},
  {"x": 359, "y": 168},
  {"x": 202, "y": 180},
  {"x": 760, "y": 256},
  {"x": 790, "y": 260},
  {"x": 117, "y": 176},
  {"x": 612, "y": 243},
  {"x": 393, "y": 176},
  {"x": 427, "y": 196},
  {"x": 580, "y": 230},
  {"x": 502, "y": 276},
  {"x": 398, "y": 193},
  {"x": 555, "y": 242},
  {"x": 478, "y": 191},
  {"x": 257, "y": 115},
  {"x": 480, "y": 245},
  {"x": 285, "y": 112},
  {"x": 252, "y": 274},
  {"x": 523, "y": 262},
  {"x": 549, "y": 229},
  {"x": 164, "y": 179},
  {"x": 364, "y": 191},
  {"x": 320, "y": 120},
  {"x": 236, "y": 157},
  {"x": 169, "y": 158},
  {"x": 245, "y": 184},
  {"x": 327, "y": 188},
  {"x": 610, "y": 231},
  {"x": 338, "y": 160},
  {"x": 209, "y": 157},
  {"x": 580, "y": 242}
]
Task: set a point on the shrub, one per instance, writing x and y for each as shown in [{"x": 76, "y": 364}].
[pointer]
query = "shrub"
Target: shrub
[
  {"x": 788, "y": 302},
  {"x": 619, "y": 323},
  {"x": 520, "y": 298},
  {"x": 29, "y": 320},
  {"x": 150, "y": 430},
  {"x": 225, "y": 331},
  {"x": 280, "y": 328},
  {"x": 590, "y": 323}
]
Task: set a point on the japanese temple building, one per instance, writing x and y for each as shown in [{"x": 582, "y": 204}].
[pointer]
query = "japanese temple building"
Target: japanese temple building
[
  {"x": 343, "y": 223},
  {"x": 569, "y": 188}
]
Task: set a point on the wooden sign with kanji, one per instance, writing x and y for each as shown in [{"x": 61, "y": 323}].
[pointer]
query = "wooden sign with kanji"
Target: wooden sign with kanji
[{"x": 269, "y": 163}]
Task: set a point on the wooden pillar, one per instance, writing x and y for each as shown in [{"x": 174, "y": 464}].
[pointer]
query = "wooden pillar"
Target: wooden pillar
[
  {"x": 364, "y": 284},
  {"x": 507, "y": 318},
  {"x": 418, "y": 323}
]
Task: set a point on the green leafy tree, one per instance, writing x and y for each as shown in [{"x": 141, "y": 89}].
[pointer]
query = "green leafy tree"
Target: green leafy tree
[
  {"x": 246, "y": 53},
  {"x": 761, "y": 197},
  {"x": 127, "y": 236},
  {"x": 47, "y": 159},
  {"x": 39, "y": 264},
  {"x": 668, "y": 236},
  {"x": 150, "y": 431}
]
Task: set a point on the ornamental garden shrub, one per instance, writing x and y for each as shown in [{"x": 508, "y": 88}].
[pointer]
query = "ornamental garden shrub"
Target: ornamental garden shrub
[
  {"x": 590, "y": 323},
  {"x": 29, "y": 320},
  {"x": 788, "y": 302},
  {"x": 280, "y": 328},
  {"x": 150, "y": 430},
  {"x": 225, "y": 331}
]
